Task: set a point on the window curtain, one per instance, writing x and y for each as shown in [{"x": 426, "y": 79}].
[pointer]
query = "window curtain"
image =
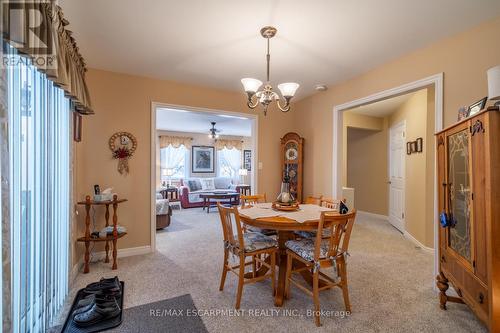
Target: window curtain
[
  {"x": 40, "y": 197},
  {"x": 220, "y": 144},
  {"x": 5, "y": 268},
  {"x": 175, "y": 159},
  {"x": 67, "y": 71},
  {"x": 229, "y": 162},
  {"x": 175, "y": 141}
]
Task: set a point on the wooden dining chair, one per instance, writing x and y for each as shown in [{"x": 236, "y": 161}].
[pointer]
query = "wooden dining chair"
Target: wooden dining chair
[
  {"x": 330, "y": 203},
  {"x": 312, "y": 200},
  {"x": 243, "y": 245},
  {"x": 317, "y": 253},
  {"x": 248, "y": 200}
]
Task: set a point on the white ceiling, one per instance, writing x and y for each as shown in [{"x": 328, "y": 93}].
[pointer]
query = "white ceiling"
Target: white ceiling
[
  {"x": 382, "y": 108},
  {"x": 199, "y": 122},
  {"x": 216, "y": 43}
]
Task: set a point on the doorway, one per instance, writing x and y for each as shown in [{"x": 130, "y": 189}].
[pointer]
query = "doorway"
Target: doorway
[
  {"x": 184, "y": 139},
  {"x": 339, "y": 137}
]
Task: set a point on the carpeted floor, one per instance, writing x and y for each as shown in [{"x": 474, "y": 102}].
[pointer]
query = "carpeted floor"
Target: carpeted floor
[{"x": 390, "y": 282}]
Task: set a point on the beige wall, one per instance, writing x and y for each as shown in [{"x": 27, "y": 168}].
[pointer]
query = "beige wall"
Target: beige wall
[
  {"x": 367, "y": 168},
  {"x": 123, "y": 103},
  {"x": 463, "y": 59}
]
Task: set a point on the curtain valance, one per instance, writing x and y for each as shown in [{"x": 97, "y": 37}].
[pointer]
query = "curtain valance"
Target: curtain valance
[
  {"x": 229, "y": 144},
  {"x": 175, "y": 141},
  {"x": 50, "y": 47}
]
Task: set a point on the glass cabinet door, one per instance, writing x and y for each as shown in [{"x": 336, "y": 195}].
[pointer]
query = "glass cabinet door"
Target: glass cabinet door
[{"x": 459, "y": 235}]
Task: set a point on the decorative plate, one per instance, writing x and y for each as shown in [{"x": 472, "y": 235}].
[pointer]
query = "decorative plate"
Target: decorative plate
[{"x": 294, "y": 206}]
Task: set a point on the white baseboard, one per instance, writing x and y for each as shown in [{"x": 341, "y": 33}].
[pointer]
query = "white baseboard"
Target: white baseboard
[
  {"x": 122, "y": 253},
  {"x": 416, "y": 242},
  {"x": 378, "y": 216}
]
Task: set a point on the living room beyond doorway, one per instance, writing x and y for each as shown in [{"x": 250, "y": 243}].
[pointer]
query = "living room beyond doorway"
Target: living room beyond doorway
[{"x": 201, "y": 157}]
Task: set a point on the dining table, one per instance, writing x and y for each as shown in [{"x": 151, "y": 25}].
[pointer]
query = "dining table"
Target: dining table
[{"x": 263, "y": 216}]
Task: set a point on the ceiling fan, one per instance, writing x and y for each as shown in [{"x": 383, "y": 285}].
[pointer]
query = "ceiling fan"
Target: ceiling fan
[{"x": 214, "y": 131}]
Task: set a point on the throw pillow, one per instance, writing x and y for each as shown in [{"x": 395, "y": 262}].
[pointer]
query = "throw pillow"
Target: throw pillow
[
  {"x": 194, "y": 185},
  {"x": 207, "y": 184},
  {"x": 222, "y": 183}
]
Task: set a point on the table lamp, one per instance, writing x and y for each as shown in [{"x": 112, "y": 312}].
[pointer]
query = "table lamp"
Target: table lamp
[
  {"x": 242, "y": 173},
  {"x": 169, "y": 172},
  {"x": 494, "y": 85}
]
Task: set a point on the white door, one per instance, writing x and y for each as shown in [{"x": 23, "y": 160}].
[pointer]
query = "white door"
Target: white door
[{"x": 397, "y": 155}]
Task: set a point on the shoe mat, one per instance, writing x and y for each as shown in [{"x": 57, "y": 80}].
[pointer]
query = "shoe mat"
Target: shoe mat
[{"x": 71, "y": 327}]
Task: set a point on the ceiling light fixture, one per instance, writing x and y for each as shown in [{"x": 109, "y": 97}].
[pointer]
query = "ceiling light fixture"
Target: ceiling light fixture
[
  {"x": 213, "y": 131},
  {"x": 267, "y": 95}
]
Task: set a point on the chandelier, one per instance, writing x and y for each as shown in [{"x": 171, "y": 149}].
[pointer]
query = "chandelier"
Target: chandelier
[{"x": 266, "y": 96}]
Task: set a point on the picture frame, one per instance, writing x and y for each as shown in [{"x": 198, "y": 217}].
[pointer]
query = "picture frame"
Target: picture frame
[
  {"x": 77, "y": 127},
  {"x": 247, "y": 160},
  {"x": 202, "y": 159},
  {"x": 419, "y": 145},
  {"x": 476, "y": 107}
]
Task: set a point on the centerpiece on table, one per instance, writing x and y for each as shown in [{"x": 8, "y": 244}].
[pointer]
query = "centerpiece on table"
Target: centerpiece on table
[{"x": 285, "y": 200}]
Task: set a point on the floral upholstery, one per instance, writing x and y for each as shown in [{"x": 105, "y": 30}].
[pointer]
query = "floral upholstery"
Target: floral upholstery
[
  {"x": 312, "y": 234},
  {"x": 267, "y": 232},
  {"x": 255, "y": 241},
  {"x": 305, "y": 248}
]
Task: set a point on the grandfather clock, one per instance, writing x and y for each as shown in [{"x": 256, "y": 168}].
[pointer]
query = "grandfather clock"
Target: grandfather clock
[{"x": 292, "y": 162}]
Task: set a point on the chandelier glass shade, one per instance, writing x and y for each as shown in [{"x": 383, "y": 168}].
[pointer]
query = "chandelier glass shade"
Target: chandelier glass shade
[{"x": 266, "y": 95}]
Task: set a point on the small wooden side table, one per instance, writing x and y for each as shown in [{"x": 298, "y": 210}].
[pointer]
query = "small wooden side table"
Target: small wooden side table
[
  {"x": 172, "y": 194},
  {"x": 245, "y": 189},
  {"x": 87, "y": 239}
]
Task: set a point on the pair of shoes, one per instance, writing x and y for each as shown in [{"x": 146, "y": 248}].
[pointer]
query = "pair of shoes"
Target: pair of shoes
[
  {"x": 97, "y": 313},
  {"x": 100, "y": 302}
]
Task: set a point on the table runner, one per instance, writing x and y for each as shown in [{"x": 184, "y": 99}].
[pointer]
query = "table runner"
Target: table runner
[{"x": 306, "y": 212}]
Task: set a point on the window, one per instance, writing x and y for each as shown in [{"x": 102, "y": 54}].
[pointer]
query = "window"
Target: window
[
  {"x": 229, "y": 162},
  {"x": 174, "y": 159},
  {"x": 40, "y": 152}
]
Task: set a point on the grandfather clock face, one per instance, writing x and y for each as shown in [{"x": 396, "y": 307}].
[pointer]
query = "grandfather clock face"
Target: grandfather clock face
[{"x": 291, "y": 152}]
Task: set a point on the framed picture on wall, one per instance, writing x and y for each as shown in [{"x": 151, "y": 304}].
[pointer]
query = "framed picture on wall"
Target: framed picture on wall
[
  {"x": 247, "y": 160},
  {"x": 202, "y": 159}
]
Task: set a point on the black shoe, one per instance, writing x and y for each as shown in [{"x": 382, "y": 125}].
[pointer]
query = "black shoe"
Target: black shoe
[
  {"x": 104, "y": 286},
  {"x": 98, "y": 313},
  {"x": 88, "y": 302}
]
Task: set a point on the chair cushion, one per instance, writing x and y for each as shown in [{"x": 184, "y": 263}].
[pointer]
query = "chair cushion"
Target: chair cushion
[
  {"x": 312, "y": 234},
  {"x": 266, "y": 232},
  {"x": 255, "y": 241},
  {"x": 305, "y": 248}
]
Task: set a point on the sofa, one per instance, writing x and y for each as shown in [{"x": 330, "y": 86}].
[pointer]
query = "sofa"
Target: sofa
[{"x": 191, "y": 188}]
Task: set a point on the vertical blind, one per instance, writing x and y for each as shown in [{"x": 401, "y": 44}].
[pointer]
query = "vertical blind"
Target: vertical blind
[{"x": 39, "y": 147}]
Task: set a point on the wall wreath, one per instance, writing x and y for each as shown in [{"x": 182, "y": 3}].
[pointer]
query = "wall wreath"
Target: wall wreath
[{"x": 123, "y": 146}]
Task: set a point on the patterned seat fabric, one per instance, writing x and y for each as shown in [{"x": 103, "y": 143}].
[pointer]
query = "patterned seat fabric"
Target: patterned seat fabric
[
  {"x": 312, "y": 234},
  {"x": 267, "y": 232},
  {"x": 305, "y": 248},
  {"x": 255, "y": 241}
]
